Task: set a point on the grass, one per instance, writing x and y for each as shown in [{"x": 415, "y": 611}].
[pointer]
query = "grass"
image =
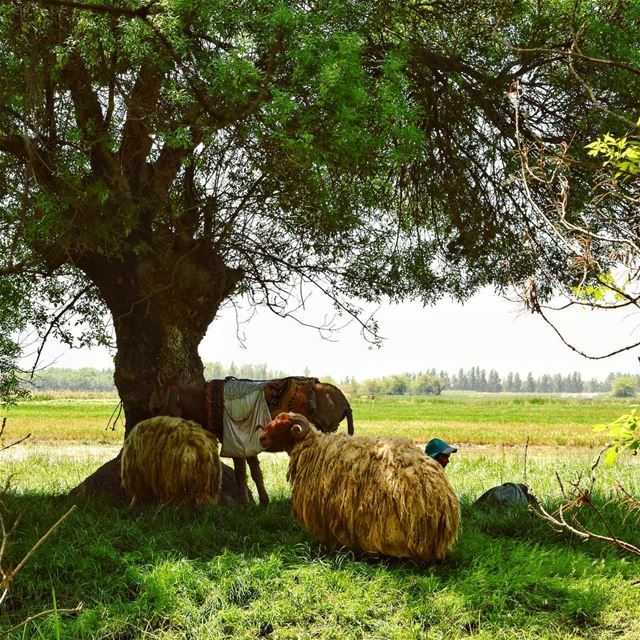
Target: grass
[
  {"x": 476, "y": 419},
  {"x": 60, "y": 418},
  {"x": 490, "y": 418},
  {"x": 254, "y": 573}
]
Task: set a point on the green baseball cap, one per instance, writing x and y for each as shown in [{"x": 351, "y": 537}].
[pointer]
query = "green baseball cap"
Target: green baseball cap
[{"x": 437, "y": 446}]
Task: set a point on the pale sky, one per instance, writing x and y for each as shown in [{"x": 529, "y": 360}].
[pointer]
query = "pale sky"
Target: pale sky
[{"x": 487, "y": 331}]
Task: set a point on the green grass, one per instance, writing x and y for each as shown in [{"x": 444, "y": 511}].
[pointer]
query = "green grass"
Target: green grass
[
  {"x": 480, "y": 419},
  {"x": 60, "y": 418},
  {"x": 254, "y": 573},
  {"x": 490, "y": 418}
]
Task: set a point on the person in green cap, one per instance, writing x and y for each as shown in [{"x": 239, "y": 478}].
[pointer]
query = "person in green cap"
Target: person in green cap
[{"x": 440, "y": 451}]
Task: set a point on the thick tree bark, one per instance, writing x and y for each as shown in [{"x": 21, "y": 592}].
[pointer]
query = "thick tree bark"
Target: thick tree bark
[{"x": 161, "y": 312}]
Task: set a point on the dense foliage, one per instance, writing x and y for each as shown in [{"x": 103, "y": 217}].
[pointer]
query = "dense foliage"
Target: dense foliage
[{"x": 158, "y": 160}]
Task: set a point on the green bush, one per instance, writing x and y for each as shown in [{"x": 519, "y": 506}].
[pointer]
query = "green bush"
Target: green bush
[{"x": 624, "y": 387}]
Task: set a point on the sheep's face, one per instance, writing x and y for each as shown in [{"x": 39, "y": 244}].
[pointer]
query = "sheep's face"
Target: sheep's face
[{"x": 282, "y": 433}]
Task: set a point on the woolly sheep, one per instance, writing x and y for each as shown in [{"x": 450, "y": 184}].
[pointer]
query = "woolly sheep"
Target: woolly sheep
[
  {"x": 377, "y": 495},
  {"x": 168, "y": 459}
]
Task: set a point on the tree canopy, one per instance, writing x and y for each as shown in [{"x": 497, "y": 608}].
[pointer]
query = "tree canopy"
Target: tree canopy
[{"x": 160, "y": 159}]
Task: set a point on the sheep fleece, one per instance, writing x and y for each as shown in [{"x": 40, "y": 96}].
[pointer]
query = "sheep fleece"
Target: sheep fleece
[
  {"x": 167, "y": 459},
  {"x": 377, "y": 495}
]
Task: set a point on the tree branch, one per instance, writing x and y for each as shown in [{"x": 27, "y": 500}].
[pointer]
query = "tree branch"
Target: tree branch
[
  {"x": 91, "y": 121},
  {"x": 136, "y": 139},
  {"x": 75, "y": 609},
  {"x": 141, "y": 12},
  {"x": 26, "y": 149},
  {"x": 55, "y": 322},
  {"x": 582, "y": 497}
]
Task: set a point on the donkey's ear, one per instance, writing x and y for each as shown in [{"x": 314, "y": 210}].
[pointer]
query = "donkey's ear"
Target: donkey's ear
[{"x": 162, "y": 379}]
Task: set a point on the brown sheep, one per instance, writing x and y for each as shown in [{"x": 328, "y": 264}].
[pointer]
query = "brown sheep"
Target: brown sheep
[
  {"x": 376, "y": 495},
  {"x": 166, "y": 459}
]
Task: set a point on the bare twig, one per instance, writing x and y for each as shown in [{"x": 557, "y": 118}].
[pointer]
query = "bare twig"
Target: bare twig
[
  {"x": 56, "y": 321},
  {"x": 117, "y": 412},
  {"x": 3, "y": 448},
  {"x": 559, "y": 479},
  {"x": 558, "y": 520},
  {"x": 578, "y": 351},
  {"x": 526, "y": 451},
  {"x": 11, "y": 574},
  {"x": 7, "y": 576},
  {"x": 75, "y": 609},
  {"x": 13, "y": 444}
]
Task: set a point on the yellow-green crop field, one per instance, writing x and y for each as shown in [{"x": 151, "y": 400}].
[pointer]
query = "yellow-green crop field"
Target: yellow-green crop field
[{"x": 483, "y": 419}]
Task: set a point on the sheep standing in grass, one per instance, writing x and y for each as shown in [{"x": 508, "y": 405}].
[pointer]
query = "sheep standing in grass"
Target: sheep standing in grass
[
  {"x": 377, "y": 495},
  {"x": 166, "y": 459}
]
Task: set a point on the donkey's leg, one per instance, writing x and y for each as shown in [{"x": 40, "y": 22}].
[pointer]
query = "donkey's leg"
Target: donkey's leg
[
  {"x": 240, "y": 472},
  {"x": 256, "y": 474}
]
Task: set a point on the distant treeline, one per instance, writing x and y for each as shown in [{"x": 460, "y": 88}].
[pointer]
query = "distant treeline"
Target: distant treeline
[
  {"x": 432, "y": 382},
  {"x": 87, "y": 379},
  {"x": 429, "y": 382}
]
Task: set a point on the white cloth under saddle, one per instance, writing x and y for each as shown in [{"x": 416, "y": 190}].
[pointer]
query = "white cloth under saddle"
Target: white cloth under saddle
[{"x": 244, "y": 409}]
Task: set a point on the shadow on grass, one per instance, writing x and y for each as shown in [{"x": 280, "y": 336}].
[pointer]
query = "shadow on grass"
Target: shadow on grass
[
  {"x": 520, "y": 524},
  {"x": 502, "y": 563},
  {"x": 255, "y": 531}
]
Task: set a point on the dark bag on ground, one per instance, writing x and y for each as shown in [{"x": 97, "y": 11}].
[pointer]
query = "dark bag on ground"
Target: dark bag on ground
[{"x": 507, "y": 495}]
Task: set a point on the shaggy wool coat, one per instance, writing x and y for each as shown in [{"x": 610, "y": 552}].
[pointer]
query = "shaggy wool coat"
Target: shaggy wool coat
[{"x": 377, "y": 495}]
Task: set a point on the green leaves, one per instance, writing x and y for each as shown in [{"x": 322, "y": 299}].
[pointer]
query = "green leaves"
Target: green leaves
[
  {"x": 604, "y": 288},
  {"x": 366, "y": 147},
  {"x": 622, "y": 154},
  {"x": 625, "y": 436}
]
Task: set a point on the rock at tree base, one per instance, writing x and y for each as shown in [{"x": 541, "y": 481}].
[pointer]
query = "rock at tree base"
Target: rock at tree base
[{"x": 105, "y": 481}]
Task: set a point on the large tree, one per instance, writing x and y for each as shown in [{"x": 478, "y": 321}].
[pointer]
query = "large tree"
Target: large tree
[{"x": 158, "y": 159}]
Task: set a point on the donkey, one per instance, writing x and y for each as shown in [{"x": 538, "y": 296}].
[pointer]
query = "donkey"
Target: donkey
[{"x": 322, "y": 403}]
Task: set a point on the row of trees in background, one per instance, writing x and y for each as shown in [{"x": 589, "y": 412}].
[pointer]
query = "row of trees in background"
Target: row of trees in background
[
  {"x": 88, "y": 379},
  {"x": 477, "y": 379},
  {"x": 430, "y": 382}
]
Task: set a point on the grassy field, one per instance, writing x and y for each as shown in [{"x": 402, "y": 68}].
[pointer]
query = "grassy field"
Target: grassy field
[
  {"x": 477, "y": 419},
  {"x": 254, "y": 573}
]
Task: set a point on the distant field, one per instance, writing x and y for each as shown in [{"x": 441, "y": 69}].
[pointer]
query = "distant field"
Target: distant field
[
  {"x": 491, "y": 418},
  {"x": 463, "y": 419},
  {"x": 56, "y": 417}
]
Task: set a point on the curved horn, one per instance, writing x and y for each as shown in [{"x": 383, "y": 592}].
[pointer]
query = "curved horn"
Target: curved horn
[{"x": 300, "y": 425}]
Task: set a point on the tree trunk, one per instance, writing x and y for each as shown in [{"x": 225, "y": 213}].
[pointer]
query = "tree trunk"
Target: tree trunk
[
  {"x": 161, "y": 307},
  {"x": 149, "y": 345},
  {"x": 161, "y": 312}
]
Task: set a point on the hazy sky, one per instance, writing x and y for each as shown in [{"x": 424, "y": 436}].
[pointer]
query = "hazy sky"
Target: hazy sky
[{"x": 487, "y": 331}]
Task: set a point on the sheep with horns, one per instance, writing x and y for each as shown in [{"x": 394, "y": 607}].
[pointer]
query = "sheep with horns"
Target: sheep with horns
[
  {"x": 376, "y": 495},
  {"x": 166, "y": 459}
]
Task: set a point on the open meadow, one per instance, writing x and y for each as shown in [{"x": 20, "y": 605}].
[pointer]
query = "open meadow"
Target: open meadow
[{"x": 254, "y": 573}]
